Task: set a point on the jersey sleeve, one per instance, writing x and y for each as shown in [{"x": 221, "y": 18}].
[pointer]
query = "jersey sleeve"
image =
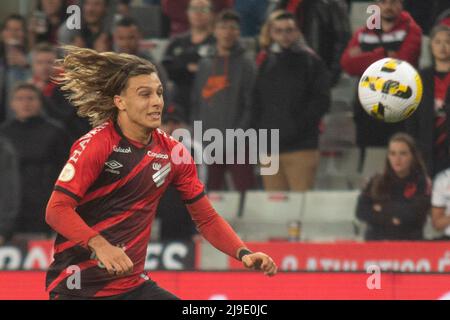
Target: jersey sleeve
[
  {"x": 438, "y": 195},
  {"x": 87, "y": 158},
  {"x": 185, "y": 175}
]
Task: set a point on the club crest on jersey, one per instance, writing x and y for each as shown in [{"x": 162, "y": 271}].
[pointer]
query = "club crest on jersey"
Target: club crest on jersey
[
  {"x": 160, "y": 176},
  {"x": 156, "y": 166}
]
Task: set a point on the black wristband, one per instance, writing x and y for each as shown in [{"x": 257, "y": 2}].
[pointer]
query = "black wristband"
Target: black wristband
[{"x": 243, "y": 253}]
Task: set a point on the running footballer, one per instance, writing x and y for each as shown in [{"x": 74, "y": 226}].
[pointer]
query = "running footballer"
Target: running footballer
[{"x": 105, "y": 198}]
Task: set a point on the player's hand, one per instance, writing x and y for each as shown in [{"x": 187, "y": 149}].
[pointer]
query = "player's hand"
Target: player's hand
[
  {"x": 260, "y": 261},
  {"x": 113, "y": 258}
]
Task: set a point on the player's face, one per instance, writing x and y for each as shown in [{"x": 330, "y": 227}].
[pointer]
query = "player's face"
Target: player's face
[
  {"x": 25, "y": 104},
  {"x": 284, "y": 32},
  {"x": 390, "y": 9},
  {"x": 127, "y": 39},
  {"x": 142, "y": 102},
  {"x": 440, "y": 46},
  {"x": 400, "y": 158}
]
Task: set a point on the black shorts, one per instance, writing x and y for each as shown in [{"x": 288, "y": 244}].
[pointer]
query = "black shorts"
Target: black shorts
[{"x": 149, "y": 290}]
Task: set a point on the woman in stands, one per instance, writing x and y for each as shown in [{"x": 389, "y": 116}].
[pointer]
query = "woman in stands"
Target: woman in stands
[
  {"x": 429, "y": 124},
  {"x": 106, "y": 196},
  {"x": 395, "y": 204}
]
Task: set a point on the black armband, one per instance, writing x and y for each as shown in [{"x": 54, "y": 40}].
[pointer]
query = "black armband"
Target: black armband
[{"x": 243, "y": 253}]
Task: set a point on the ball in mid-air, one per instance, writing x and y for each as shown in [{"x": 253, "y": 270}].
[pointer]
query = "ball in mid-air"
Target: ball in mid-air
[{"x": 390, "y": 90}]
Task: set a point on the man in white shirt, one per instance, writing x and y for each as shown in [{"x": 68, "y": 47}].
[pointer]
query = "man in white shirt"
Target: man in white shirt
[{"x": 440, "y": 201}]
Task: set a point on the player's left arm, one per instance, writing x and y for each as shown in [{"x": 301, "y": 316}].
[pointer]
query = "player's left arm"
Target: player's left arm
[
  {"x": 220, "y": 234},
  {"x": 210, "y": 224}
]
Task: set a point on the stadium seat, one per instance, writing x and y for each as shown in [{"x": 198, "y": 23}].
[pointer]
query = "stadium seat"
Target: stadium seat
[
  {"x": 329, "y": 215},
  {"x": 339, "y": 170},
  {"x": 374, "y": 161},
  {"x": 266, "y": 214},
  {"x": 226, "y": 204}
]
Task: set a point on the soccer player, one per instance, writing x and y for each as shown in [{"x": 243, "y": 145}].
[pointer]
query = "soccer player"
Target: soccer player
[{"x": 106, "y": 196}]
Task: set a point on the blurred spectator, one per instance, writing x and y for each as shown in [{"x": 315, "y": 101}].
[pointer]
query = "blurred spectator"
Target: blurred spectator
[
  {"x": 95, "y": 26},
  {"x": 325, "y": 25},
  {"x": 173, "y": 119},
  {"x": 9, "y": 190},
  {"x": 46, "y": 20},
  {"x": 444, "y": 18},
  {"x": 127, "y": 36},
  {"x": 395, "y": 204},
  {"x": 123, "y": 9},
  {"x": 41, "y": 149},
  {"x": 14, "y": 65},
  {"x": 184, "y": 51},
  {"x": 176, "y": 12},
  {"x": 292, "y": 94},
  {"x": 426, "y": 13},
  {"x": 440, "y": 201},
  {"x": 221, "y": 96},
  {"x": 43, "y": 58},
  {"x": 176, "y": 222},
  {"x": 429, "y": 124},
  {"x": 253, "y": 15},
  {"x": 399, "y": 37}
]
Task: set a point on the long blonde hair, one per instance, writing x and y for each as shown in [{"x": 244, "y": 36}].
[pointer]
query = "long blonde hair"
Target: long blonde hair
[
  {"x": 265, "y": 40},
  {"x": 91, "y": 80}
]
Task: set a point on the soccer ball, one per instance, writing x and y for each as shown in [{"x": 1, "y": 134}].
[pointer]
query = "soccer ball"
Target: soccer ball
[{"x": 390, "y": 90}]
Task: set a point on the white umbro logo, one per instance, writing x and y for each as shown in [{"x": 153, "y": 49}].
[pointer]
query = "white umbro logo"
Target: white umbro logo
[
  {"x": 156, "y": 166},
  {"x": 113, "y": 164}
]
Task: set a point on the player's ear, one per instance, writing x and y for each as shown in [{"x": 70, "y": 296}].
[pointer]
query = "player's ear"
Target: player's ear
[{"x": 119, "y": 103}]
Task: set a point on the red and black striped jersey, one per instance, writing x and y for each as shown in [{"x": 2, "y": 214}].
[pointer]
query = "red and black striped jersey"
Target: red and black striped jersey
[{"x": 118, "y": 184}]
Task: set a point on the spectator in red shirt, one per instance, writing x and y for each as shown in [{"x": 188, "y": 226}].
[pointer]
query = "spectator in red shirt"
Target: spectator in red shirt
[
  {"x": 429, "y": 124},
  {"x": 399, "y": 37}
]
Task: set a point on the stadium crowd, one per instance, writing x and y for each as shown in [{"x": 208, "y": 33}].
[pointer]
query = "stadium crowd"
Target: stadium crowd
[{"x": 234, "y": 64}]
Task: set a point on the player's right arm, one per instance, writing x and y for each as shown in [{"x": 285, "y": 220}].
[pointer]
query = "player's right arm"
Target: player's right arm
[{"x": 82, "y": 169}]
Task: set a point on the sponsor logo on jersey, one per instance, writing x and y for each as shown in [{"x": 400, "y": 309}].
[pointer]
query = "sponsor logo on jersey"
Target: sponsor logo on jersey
[
  {"x": 157, "y": 155},
  {"x": 122, "y": 150},
  {"x": 113, "y": 165},
  {"x": 84, "y": 141}
]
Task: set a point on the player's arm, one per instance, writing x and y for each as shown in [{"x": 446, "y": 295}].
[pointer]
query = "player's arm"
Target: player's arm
[
  {"x": 210, "y": 224},
  {"x": 63, "y": 218},
  {"x": 84, "y": 166},
  {"x": 220, "y": 234}
]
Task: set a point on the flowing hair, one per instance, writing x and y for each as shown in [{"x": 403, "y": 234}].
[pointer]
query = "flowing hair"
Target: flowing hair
[
  {"x": 381, "y": 188},
  {"x": 91, "y": 79}
]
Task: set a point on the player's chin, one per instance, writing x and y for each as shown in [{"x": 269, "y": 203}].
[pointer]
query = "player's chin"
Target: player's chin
[{"x": 152, "y": 124}]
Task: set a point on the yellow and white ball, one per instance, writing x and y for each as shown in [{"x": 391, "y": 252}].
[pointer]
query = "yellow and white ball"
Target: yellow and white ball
[{"x": 390, "y": 90}]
